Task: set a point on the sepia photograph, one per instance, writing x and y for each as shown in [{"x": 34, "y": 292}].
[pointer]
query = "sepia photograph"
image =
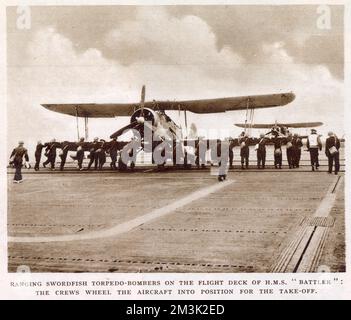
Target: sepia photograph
[{"x": 166, "y": 139}]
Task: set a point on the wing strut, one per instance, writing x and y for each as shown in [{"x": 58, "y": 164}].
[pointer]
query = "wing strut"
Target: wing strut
[
  {"x": 86, "y": 128},
  {"x": 77, "y": 123},
  {"x": 249, "y": 117},
  {"x": 252, "y": 113},
  {"x": 247, "y": 110}
]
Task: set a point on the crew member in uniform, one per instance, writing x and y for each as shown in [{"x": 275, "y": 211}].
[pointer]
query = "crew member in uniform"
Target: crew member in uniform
[
  {"x": 113, "y": 153},
  {"x": 244, "y": 151},
  {"x": 50, "y": 152},
  {"x": 278, "y": 156},
  {"x": 37, "y": 155},
  {"x": 101, "y": 154},
  {"x": 80, "y": 157},
  {"x": 314, "y": 144},
  {"x": 63, "y": 154},
  {"x": 261, "y": 152},
  {"x": 296, "y": 145},
  {"x": 79, "y": 154},
  {"x": 17, "y": 159},
  {"x": 289, "y": 151},
  {"x": 200, "y": 152},
  {"x": 332, "y": 146},
  {"x": 231, "y": 152},
  {"x": 93, "y": 155}
]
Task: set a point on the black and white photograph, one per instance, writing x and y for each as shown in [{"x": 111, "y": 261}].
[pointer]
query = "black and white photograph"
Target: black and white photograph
[{"x": 176, "y": 139}]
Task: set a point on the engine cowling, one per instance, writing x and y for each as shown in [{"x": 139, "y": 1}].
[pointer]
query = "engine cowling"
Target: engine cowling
[{"x": 145, "y": 114}]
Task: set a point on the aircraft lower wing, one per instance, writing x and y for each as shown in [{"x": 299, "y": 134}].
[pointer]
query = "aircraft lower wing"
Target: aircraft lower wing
[
  {"x": 288, "y": 125},
  {"x": 110, "y": 110}
]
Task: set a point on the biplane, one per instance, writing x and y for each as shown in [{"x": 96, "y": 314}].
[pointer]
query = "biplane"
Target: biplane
[
  {"x": 281, "y": 129},
  {"x": 151, "y": 116}
]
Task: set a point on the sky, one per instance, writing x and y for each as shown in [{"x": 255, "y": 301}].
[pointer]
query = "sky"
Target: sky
[{"x": 78, "y": 54}]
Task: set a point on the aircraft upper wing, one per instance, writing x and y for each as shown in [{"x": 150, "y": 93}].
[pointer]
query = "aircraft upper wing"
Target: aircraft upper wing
[
  {"x": 111, "y": 110},
  {"x": 303, "y": 124},
  {"x": 288, "y": 125},
  {"x": 256, "y": 126}
]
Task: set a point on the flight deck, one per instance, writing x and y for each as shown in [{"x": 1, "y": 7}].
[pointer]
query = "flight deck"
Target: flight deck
[{"x": 178, "y": 220}]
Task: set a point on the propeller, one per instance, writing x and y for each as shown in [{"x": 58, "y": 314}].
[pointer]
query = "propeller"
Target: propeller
[
  {"x": 142, "y": 101},
  {"x": 133, "y": 125}
]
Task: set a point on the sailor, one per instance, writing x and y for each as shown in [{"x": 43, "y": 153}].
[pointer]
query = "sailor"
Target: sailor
[
  {"x": 296, "y": 145},
  {"x": 332, "y": 146},
  {"x": 50, "y": 152},
  {"x": 81, "y": 142},
  {"x": 289, "y": 150},
  {"x": 79, "y": 154},
  {"x": 101, "y": 154},
  {"x": 244, "y": 151},
  {"x": 113, "y": 153},
  {"x": 93, "y": 155},
  {"x": 17, "y": 159},
  {"x": 284, "y": 130},
  {"x": 313, "y": 145},
  {"x": 63, "y": 154},
  {"x": 80, "y": 157},
  {"x": 231, "y": 152},
  {"x": 37, "y": 155},
  {"x": 261, "y": 152},
  {"x": 274, "y": 131},
  {"x": 277, "y": 152},
  {"x": 200, "y": 152}
]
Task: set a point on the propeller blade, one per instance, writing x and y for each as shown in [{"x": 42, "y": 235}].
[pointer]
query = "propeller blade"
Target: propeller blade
[
  {"x": 142, "y": 101},
  {"x": 119, "y": 132}
]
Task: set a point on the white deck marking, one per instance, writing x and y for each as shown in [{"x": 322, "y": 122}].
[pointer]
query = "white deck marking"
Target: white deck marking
[
  {"x": 131, "y": 224},
  {"x": 328, "y": 201},
  {"x": 37, "y": 191}
]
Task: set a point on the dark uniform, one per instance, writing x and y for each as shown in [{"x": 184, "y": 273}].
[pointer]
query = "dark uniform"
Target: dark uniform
[
  {"x": 290, "y": 151},
  {"x": 331, "y": 143},
  {"x": 17, "y": 156},
  {"x": 231, "y": 153},
  {"x": 80, "y": 153},
  {"x": 278, "y": 157},
  {"x": 296, "y": 145},
  {"x": 37, "y": 155},
  {"x": 93, "y": 155},
  {"x": 63, "y": 155},
  {"x": 113, "y": 153},
  {"x": 122, "y": 166},
  {"x": 244, "y": 152},
  {"x": 261, "y": 153},
  {"x": 200, "y": 153},
  {"x": 50, "y": 152},
  {"x": 80, "y": 157},
  {"x": 101, "y": 154}
]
